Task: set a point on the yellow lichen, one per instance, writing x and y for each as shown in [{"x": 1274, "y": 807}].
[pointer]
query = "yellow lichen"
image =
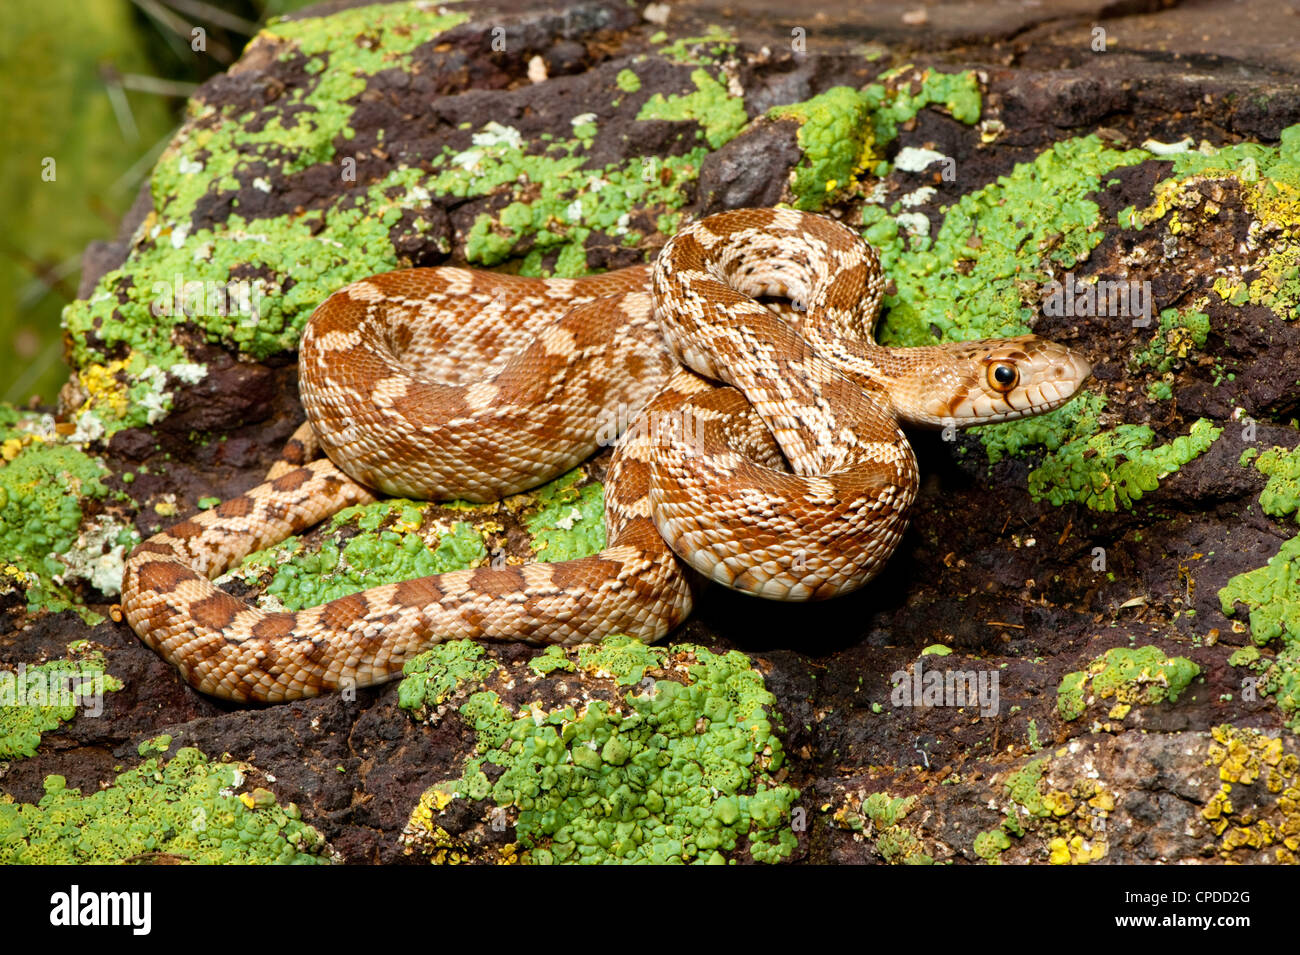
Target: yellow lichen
[
  {"x": 1245, "y": 757},
  {"x": 102, "y": 387}
]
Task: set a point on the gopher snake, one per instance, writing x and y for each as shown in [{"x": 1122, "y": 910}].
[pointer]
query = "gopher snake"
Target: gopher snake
[{"x": 794, "y": 483}]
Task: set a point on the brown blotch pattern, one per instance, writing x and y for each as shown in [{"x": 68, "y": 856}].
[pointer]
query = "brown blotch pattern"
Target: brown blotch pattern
[
  {"x": 153, "y": 547},
  {"x": 273, "y": 627},
  {"x": 235, "y": 507},
  {"x": 217, "y": 611},
  {"x": 185, "y": 530},
  {"x": 497, "y": 582},
  {"x": 164, "y": 576},
  {"x": 291, "y": 481},
  {"x": 420, "y": 592},
  {"x": 295, "y": 452},
  {"x": 340, "y": 614}
]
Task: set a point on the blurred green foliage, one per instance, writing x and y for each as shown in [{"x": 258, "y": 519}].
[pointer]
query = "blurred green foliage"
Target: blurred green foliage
[{"x": 90, "y": 91}]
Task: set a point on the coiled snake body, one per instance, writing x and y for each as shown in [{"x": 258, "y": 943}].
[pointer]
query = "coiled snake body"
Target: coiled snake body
[{"x": 766, "y": 454}]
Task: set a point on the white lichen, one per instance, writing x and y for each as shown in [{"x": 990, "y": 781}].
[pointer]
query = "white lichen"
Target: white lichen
[
  {"x": 914, "y": 222},
  {"x": 918, "y": 197},
  {"x": 97, "y": 557},
  {"x": 912, "y": 159},
  {"x": 191, "y": 373},
  {"x": 89, "y": 428}
]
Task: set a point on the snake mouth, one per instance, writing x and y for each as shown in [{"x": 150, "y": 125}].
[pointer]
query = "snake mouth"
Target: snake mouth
[
  {"x": 1048, "y": 381},
  {"x": 1058, "y": 388}
]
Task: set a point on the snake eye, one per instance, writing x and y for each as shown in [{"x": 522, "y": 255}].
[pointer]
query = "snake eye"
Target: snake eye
[{"x": 1003, "y": 377}]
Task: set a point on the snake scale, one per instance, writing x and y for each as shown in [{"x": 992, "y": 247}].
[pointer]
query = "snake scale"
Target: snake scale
[{"x": 764, "y": 450}]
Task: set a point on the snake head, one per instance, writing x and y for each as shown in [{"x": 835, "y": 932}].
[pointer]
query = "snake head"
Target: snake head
[{"x": 1001, "y": 379}]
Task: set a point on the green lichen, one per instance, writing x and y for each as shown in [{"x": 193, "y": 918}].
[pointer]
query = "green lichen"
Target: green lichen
[
  {"x": 981, "y": 274},
  {"x": 341, "y": 53},
  {"x": 370, "y": 558},
  {"x": 1112, "y": 469},
  {"x": 1281, "y": 681},
  {"x": 304, "y": 259},
  {"x": 431, "y": 678},
  {"x": 1070, "y": 702},
  {"x": 550, "y": 660},
  {"x": 1180, "y": 331},
  {"x": 569, "y": 521},
  {"x": 622, "y": 660},
  {"x": 1145, "y": 675},
  {"x": 879, "y": 817},
  {"x": 628, "y": 81},
  {"x": 719, "y": 114},
  {"x": 838, "y": 142},
  {"x": 1244, "y": 656},
  {"x": 43, "y": 486},
  {"x": 1071, "y": 819},
  {"x": 1159, "y": 390},
  {"x": 37, "y": 699},
  {"x": 990, "y": 845},
  {"x": 158, "y": 744},
  {"x": 389, "y": 31},
  {"x": 958, "y": 93},
  {"x": 1276, "y": 164},
  {"x": 716, "y": 44},
  {"x": 682, "y": 770},
  {"x": 1140, "y": 676},
  {"x": 125, "y": 351},
  {"x": 1268, "y": 178},
  {"x": 843, "y": 131},
  {"x": 1080, "y": 416},
  {"x": 1023, "y": 788},
  {"x": 1271, "y": 594},
  {"x": 565, "y": 203},
  {"x": 1281, "y": 495},
  {"x": 180, "y": 808}
]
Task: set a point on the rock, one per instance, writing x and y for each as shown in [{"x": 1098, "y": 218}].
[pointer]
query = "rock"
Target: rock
[
  {"x": 741, "y": 173},
  {"x": 1085, "y": 634}
]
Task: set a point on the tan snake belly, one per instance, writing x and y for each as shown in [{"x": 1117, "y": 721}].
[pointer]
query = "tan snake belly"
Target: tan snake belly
[{"x": 767, "y": 452}]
